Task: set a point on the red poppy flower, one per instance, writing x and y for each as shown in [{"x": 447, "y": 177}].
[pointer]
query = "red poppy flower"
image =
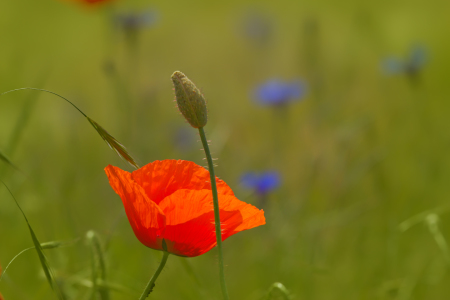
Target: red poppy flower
[{"x": 172, "y": 200}]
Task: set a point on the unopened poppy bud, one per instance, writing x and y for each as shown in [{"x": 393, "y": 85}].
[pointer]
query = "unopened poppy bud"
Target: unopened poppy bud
[{"x": 190, "y": 100}]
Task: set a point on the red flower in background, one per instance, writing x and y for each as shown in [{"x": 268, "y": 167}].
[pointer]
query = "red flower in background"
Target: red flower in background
[
  {"x": 172, "y": 200},
  {"x": 92, "y": 2}
]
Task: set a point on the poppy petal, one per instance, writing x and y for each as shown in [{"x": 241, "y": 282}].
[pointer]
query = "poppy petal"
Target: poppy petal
[
  {"x": 160, "y": 179},
  {"x": 145, "y": 217},
  {"x": 192, "y": 238},
  {"x": 250, "y": 216},
  {"x": 190, "y": 229},
  {"x": 185, "y": 205}
]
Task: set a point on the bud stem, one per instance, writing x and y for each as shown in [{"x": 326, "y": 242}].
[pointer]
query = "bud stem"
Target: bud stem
[{"x": 216, "y": 212}]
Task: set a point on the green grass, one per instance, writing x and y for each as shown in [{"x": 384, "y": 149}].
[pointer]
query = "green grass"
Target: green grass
[{"x": 361, "y": 154}]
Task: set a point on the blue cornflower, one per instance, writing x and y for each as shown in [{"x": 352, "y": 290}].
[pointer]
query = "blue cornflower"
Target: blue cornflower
[
  {"x": 184, "y": 139},
  {"x": 415, "y": 61},
  {"x": 261, "y": 183},
  {"x": 277, "y": 93},
  {"x": 132, "y": 21},
  {"x": 257, "y": 27}
]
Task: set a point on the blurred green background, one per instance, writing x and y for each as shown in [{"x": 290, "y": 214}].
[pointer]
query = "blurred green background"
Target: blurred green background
[{"x": 363, "y": 151}]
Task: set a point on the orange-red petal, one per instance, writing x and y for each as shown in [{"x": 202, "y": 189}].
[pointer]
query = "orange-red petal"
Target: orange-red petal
[
  {"x": 190, "y": 222},
  {"x": 185, "y": 205},
  {"x": 250, "y": 216},
  {"x": 190, "y": 229},
  {"x": 193, "y": 238},
  {"x": 160, "y": 179},
  {"x": 145, "y": 217}
]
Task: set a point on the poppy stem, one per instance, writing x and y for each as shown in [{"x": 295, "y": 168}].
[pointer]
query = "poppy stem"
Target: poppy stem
[
  {"x": 151, "y": 283},
  {"x": 216, "y": 212}
]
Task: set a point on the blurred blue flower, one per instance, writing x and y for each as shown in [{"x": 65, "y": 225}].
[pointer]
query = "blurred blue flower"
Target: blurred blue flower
[
  {"x": 132, "y": 21},
  {"x": 257, "y": 27},
  {"x": 415, "y": 61},
  {"x": 261, "y": 183},
  {"x": 276, "y": 92},
  {"x": 392, "y": 65},
  {"x": 184, "y": 139}
]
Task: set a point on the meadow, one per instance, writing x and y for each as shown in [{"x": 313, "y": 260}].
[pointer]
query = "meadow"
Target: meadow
[{"x": 359, "y": 209}]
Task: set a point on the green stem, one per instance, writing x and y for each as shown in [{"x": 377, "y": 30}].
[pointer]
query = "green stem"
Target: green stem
[
  {"x": 42, "y": 90},
  {"x": 281, "y": 288},
  {"x": 98, "y": 266},
  {"x": 151, "y": 283},
  {"x": 216, "y": 211}
]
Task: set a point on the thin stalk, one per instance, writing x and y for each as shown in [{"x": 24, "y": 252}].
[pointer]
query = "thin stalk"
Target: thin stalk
[
  {"x": 42, "y": 90},
  {"x": 98, "y": 266},
  {"x": 432, "y": 221},
  {"x": 216, "y": 212},
  {"x": 151, "y": 283}
]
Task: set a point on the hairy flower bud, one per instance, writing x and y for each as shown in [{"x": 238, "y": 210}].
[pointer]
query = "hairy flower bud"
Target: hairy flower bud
[{"x": 190, "y": 100}]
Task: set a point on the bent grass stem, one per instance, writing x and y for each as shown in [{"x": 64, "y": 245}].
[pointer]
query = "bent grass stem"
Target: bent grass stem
[
  {"x": 114, "y": 144},
  {"x": 216, "y": 212}
]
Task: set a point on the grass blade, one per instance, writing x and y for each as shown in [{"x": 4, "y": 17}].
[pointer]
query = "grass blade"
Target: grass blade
[
  {"x": 277, "y": 286},
  {"x": 108, "y": 285},
  {"x": 113, "y": 143},
  {"x": 45, "y": 266},
  {"x": 419, "y": 218},
  {"x": 98, "y": 267},
  {"x": 26, "y": 112},
  {"x": 5, "y": 159},
  {"x": 109, "y": 139},
  {"x": 46, "y": 245},
  {"x": 14, "y": 258},
  {"x": 1, "y": 297},
  {"x": 432, "y": 221}
]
